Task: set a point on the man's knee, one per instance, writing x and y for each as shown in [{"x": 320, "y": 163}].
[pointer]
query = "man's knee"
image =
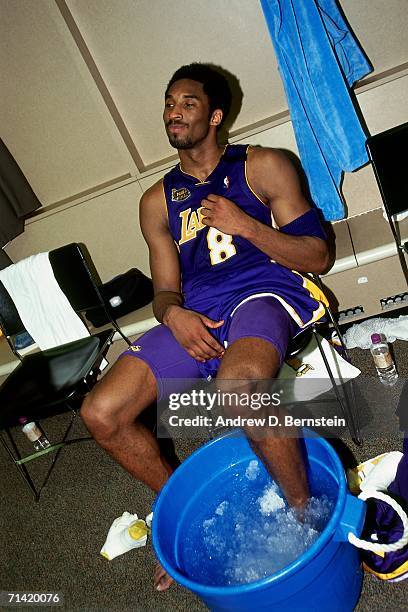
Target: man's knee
[
  {"x": 250, "y": 359},
  {"x": 246, "y": 373},
  {"x": 97, "y": 412},
  {"x": 119, "y": 397},
  {"x": 243, "y": 370}
]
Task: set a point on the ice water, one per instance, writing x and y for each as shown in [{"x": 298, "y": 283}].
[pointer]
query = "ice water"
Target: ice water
[{"x": 247, "y": 532}]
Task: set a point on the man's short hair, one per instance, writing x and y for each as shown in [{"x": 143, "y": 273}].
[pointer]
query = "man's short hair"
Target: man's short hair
[{"x": 215, "y": 85}]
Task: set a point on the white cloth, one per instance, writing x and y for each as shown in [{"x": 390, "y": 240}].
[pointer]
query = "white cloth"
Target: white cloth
[
  {"x": 125, "y": 533},
  {"x": 359, "y": 334},
  {"x": 309, "y": 375},
  {"x": 382, "y": 472},
  {"x": 375, "y": 474},
  {"x": 43, "y": 307}
]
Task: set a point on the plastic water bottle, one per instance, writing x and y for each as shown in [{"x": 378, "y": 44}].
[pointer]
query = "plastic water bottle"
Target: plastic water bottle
[
  {"x": 383, "y": 360},
  {"x": 35, "y": 434}
]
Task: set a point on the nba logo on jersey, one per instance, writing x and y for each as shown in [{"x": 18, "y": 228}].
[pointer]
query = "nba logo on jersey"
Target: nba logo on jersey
[
  {"x": 179, "y": 195},
  {"x": 226, "y": 182}
]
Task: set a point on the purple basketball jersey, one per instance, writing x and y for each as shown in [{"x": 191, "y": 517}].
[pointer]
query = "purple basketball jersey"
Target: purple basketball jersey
[{"x": 220, "y": 271}]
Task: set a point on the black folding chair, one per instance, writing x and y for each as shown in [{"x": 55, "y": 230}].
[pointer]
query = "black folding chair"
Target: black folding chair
[
  {"x": 388, "y": 154},
  {"x": 344, "y": 393},
  {"x": 53, "y": 381}
]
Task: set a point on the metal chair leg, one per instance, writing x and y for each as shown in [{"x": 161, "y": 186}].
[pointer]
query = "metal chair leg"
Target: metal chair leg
[
  {"x": 57, "y": 453},
  {"x": 20, "y": 461},
  {"x": 22, "y": 470},
  {"x": 346, "y": 408},
  {"x": 356, "y": 428}
]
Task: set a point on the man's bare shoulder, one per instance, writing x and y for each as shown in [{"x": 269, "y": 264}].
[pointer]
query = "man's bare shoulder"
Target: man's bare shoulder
[
  {"x": 152, "y": 209},
  {"x": 154, "y": 194},
  {"x": 267, "y": 158},
  {"x": 270, "y": 172}
]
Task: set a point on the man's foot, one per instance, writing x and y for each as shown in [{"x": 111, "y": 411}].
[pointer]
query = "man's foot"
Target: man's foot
[{"x": 162, "y": 580}]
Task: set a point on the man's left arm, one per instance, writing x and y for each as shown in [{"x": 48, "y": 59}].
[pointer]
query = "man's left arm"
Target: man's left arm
[{"x": 275, "y": 181}]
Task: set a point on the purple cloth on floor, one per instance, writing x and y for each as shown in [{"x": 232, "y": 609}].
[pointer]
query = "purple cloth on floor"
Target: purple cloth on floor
[
  {"x": 399, "y": 486},
  {"x": 382, "y": 520}
]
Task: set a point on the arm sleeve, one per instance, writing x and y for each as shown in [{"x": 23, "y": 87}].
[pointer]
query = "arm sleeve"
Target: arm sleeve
[{"x": 307, "y": 224}]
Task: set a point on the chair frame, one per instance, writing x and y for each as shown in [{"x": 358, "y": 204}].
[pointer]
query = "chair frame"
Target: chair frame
[
  {"x": 78, "y": 257},
  {"x": 20, "y": 462},
  {"x": 347, "y": 404}
]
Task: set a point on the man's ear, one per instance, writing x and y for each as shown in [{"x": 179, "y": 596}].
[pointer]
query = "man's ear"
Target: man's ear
[{"x": 216, "y": 117}]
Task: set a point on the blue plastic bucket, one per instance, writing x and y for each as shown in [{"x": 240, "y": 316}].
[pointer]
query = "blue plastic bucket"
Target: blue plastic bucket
[{"x": 327, "y": 576}]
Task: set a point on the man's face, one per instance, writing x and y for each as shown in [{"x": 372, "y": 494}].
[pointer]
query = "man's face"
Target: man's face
[{"x": 186, "y": 114}]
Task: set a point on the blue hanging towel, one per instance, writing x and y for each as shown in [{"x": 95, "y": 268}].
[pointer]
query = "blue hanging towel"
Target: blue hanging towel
[{"x": 319, "y": 59}]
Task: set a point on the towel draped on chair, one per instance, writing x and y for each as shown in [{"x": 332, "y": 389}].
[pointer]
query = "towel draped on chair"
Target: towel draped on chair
[{"x": 32, "y": 286}]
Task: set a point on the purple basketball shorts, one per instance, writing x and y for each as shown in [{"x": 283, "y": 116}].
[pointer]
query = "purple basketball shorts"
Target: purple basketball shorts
[{"x": 260, "y": 317}]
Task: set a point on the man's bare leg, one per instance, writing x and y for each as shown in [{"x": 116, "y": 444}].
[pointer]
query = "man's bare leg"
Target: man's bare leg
[
  {"x": 257, "y": 359},
  {"x": 109, "y": 412}
]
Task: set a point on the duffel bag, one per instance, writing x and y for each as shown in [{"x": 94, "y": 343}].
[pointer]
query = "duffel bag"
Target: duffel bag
[{"x": 122, "y": 294}]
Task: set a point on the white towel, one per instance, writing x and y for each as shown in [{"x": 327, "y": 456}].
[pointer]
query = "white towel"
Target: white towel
[
  {"x": 308, "y": 372},
  {"x": 360, "y": 333},
  {"x": 125, "y": 533},
  {"x": 43, "y": 307}
]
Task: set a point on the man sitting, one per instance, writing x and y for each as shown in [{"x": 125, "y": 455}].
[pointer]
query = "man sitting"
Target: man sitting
[{"x": 228, "y": 288}]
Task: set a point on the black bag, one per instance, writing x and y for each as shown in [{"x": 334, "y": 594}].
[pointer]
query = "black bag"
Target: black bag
[{"x": 122, "y": 294}]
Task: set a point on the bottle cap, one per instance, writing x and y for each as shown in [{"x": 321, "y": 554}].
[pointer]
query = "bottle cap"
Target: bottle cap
[
  {"x": 376, "y": 338},
  {"x": 29, "y": 426}
]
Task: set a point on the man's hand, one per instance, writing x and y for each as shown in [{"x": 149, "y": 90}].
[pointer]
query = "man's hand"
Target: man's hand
[
  {"x": 224, "y": 215},
  {"x": 190, "y": 330}
]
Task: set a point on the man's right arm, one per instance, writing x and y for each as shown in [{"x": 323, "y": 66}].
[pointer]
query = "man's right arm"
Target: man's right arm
[
  {"x": 163, "y": 258},
  {"x": 188, "y": 327}
]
